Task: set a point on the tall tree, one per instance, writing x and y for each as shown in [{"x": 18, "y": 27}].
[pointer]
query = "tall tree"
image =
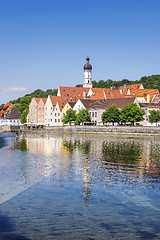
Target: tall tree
[
  {"x": 131, "y": 113},
  {"x": 154, "y": 116},
  {"x": 83, "y": 116},
  {"x": 69, "y": 116},
  {"x": 111, "y": 114}
]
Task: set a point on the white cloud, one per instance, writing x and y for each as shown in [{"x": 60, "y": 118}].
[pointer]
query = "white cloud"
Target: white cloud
[{"x": 14, "y": 89}]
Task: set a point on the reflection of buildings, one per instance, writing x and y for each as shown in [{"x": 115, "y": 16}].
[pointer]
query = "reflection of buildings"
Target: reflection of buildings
[
  {"x": 81, "y": 156},
  {"x": 44, "y": 144}
]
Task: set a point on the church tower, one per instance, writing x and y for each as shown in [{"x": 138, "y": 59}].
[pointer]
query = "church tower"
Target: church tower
[{"x": 87, "y": 74}]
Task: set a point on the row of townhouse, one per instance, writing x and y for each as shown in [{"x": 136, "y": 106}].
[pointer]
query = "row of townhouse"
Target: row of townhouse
[{"x": 49, "y": 111}]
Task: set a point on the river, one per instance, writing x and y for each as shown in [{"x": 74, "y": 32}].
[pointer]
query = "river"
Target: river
[{"x": 79, "y": 186}]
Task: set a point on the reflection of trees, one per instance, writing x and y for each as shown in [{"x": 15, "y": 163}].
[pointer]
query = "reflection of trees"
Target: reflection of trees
[
  {"x": 83, "y": 147},
  {"x": 126, "y": 153},
  {"x": 154, "y": 156},
  {"x": 2, "y": 142},
  {"x": 21, "y": 144}
]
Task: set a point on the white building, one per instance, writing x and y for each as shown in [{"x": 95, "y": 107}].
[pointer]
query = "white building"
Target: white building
[{"x": 87, "y": 74}]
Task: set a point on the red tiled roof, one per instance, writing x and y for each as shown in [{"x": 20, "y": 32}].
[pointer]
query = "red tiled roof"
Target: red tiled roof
[
  {"x": 154, "y": 106},
  {"x": 141, "y": 92},
  {"x": 44, "y": 100},
  {"x": 73, "y": 91},
  {"x": 62, "y": 100},
  {"x": 6, "y": 108},
  {"x": 37, "y": 99}
]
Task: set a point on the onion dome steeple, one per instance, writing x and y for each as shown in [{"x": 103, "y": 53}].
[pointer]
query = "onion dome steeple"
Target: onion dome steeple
[{"x": 87, "y": 65}]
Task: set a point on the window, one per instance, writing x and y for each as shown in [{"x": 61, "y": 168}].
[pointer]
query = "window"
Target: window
[
  {"x": 51, "y": 119},
  {"x": 58, "y": 114},
  {"x": 38, "y": 113},
  {"x": 95, "y": 114},
  {"x": 58, "y": 120},
  {"x": 42, "y": 113},
  {"x": 55, "y": 114},
  {"x": 55, "y": 120},
  {"x": 67, "y": 100},
  {"x": 39, "y": 108},
  {"x": 39, "y": 119},
  {"x": 92, "y": 114},
  {"x": 46, "y": 108},
  {"x": 51, "y": 108}
]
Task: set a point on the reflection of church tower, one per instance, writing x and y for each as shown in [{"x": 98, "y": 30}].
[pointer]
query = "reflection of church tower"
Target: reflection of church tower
[{"x": 87, "y": 74}]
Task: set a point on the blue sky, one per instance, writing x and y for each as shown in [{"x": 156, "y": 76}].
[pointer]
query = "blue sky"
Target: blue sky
[{"x": 44, "y": 43}]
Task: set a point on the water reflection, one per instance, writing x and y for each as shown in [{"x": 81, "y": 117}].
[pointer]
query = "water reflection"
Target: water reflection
[
  {"x": 2, "y": 142},
  {"x": 81, "y": 186},
  {"x": 21, "y": 144},
  {"x": 122, "y": 152},
  {"x": 83, "y": 147}
]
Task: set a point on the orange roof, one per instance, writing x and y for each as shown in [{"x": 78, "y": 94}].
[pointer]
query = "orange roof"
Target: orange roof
[
  {"x": 141, "y": 92},
  {"x": 73, "y": 91},
  {"x": 54, "y": 99},
  {"x": 6, "y": 108},
  {"x": 154, "y": 106},
  {"x": 44, "y": 100},
  {"x": 62, "y": 100},
  {"x": 130, "y": 87},
  {"x": 37, "y": 99}
]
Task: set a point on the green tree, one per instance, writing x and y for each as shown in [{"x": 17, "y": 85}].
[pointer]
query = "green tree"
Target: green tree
[
  {"x": 83, "y": 116},
  {"x": 69, "y": 116},
  {"x": 111, "y": 114},
  {"x": 154, "y": 116},
  {"x": 24, "y": 115},
  {"x": 23, "y": 107},
  {"x": 131, "y": 113}
]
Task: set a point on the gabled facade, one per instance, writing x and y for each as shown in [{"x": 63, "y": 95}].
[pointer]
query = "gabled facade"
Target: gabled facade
[
  {"x": 49, "y": 110},
  {"x": 41, "y": 111},
  {"x": 66, "y": 107},
  {"x": 57, "y": 115},
  {"x": 33, "y": 111}
]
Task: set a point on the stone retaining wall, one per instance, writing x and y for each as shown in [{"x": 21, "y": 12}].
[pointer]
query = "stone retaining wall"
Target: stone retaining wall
[
  {"x": 101, "y": 129},
  {"x": 9, "y": 129}
]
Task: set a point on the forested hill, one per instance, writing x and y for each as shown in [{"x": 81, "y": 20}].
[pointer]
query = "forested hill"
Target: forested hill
[
  {"x": 38, "y": 94},
  {"x": 150, "y": 82}
]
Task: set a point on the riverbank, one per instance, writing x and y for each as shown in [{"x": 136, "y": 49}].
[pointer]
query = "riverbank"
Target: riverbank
[
  {"x": 4, "y": 129},
  {"x": 100, "y": 129},
  {"x": 125, "y": 130}
]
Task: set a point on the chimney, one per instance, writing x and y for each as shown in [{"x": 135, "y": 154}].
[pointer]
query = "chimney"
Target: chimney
[
  {"x": 84, "y": 94},
  {"x": 148, "y": 98}
]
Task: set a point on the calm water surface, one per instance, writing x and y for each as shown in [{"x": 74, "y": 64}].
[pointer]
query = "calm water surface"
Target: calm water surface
[{"x": 57, "y": 186}]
